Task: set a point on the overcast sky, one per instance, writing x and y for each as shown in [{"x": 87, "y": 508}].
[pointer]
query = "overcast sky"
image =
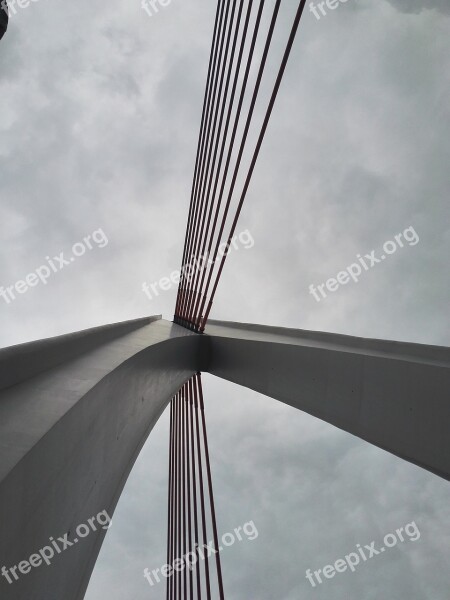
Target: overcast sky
[{"x": 99, "y": 119}]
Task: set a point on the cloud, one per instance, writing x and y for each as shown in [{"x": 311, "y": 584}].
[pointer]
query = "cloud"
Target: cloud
[
  {"x": 101, "y": 106},
  {"x": 417, "y": 6}
]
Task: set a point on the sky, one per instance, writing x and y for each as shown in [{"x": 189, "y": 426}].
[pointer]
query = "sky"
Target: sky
[{"x": 101, "y": 106}]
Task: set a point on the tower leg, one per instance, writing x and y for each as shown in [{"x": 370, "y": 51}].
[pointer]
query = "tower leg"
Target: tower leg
[
  {"x": 394, "y": 395},
  {"x": 74, "y": 413}
]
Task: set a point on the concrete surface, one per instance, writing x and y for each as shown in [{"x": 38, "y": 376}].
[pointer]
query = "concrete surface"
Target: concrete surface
[
  {"x": 75, "y": 411},
  {"x": 395, "y": 395},
  {"x": 69, "y": 435}
]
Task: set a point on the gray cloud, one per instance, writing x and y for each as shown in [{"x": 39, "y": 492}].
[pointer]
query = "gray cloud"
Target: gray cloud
[
  {"x": 100, "y": 113},
  {"x": 417, "y": 6}
]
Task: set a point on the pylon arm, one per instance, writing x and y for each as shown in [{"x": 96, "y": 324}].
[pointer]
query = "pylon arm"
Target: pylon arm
[{"x": 394, "y": 395}]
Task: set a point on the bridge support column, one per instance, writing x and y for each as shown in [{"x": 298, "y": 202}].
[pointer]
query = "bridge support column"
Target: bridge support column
[
  {"x": 394, "y": 395},
  {"x": 74, "y": 413}
]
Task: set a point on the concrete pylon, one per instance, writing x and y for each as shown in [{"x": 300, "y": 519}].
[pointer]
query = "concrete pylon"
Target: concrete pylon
[
  {"x": 75, "y": 411},
  {"x": 395, "y": 395}
]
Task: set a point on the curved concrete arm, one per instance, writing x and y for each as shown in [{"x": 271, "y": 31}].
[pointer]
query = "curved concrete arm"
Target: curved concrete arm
[
  {"x": 395, "y": 395},
  {"x": 75, "y": 411},
  {"x": 74, "y": 414}
]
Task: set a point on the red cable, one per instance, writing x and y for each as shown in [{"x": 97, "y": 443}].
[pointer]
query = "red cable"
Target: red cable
[
  {"x": 205, "y": 136},
  {"x": 210, "y": 488},
  {"x": 257, "y": 149},
  {"x": 194, "y": 486},
  {"x": 230, "y": 150},
  {"x": 208, "y": 79},
  {"x": 202, "y": 495},
  {"x": 188, "y": 469},
  {"x": 222, "y": 151},
  {"x": 215, "y": 139},
  {"x": 169, "y": 497}
]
